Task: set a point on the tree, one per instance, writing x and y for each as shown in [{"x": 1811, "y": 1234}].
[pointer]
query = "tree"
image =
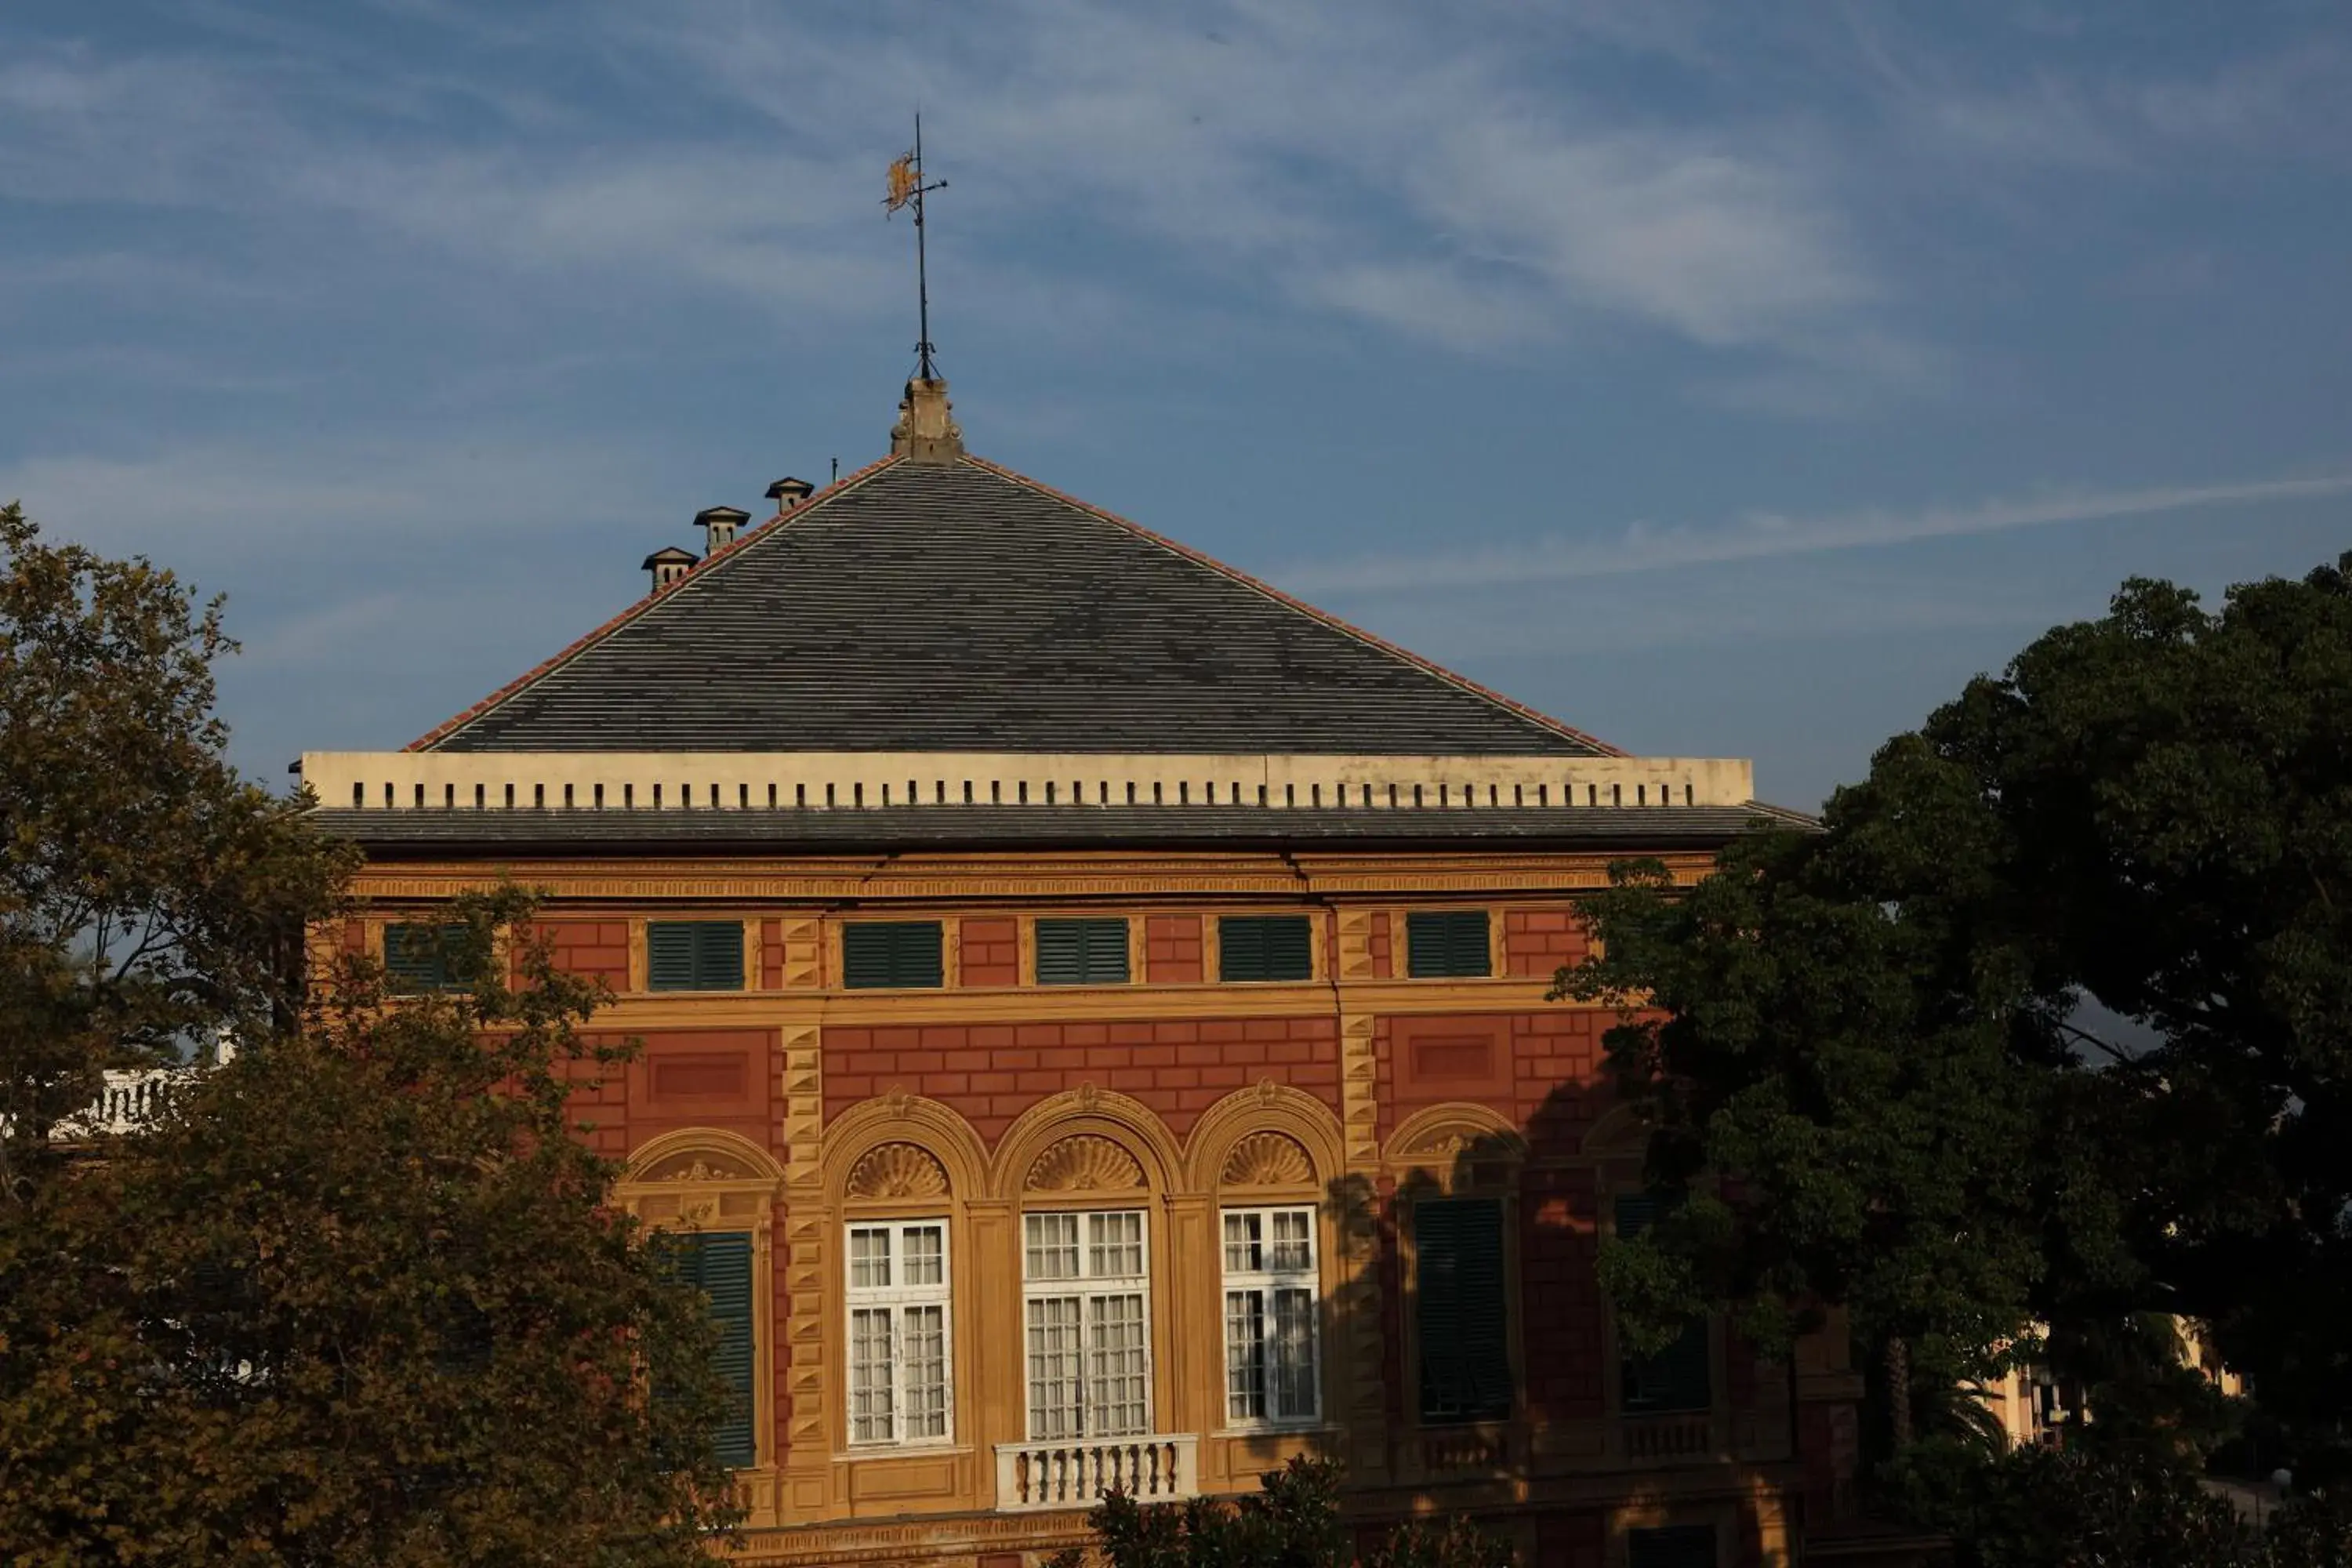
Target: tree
[
  {"x": 150, "y": 898},
  {"x": 1291, "y": 1521},
  {"x": 2048, "y": 1507},
  {"x": 357, "y": 1300},
  {"x": 2050, "y": 1021}
]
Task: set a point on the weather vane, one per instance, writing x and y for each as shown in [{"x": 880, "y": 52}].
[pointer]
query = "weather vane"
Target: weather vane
[{"x": 907, "y": 190}]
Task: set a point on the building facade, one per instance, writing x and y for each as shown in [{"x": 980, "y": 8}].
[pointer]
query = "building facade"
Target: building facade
[{"x": 1096, "y": 1032}]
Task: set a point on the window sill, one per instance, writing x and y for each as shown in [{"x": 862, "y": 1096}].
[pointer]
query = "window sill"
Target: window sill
[
  {"x": 931, "y": 1448},
  {"x": 1316, "y": 1427}
]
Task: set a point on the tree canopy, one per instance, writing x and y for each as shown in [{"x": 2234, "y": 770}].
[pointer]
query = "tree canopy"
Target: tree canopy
[
  {"x": 1292, "y": 1521},
  {"x": 2050, "y": 1021},
  {"x": 150, "y": 898},
  {"x": 355, "y": 1296},
  {"x": 357, "y": 1299}
]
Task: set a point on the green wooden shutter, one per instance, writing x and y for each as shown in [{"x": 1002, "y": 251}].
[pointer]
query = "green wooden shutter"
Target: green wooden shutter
[
  {"x": 694, "y": 955},
  {"x": 1082, "y": 953},
  {"x": 722, "y": 1266},
  {"x": 1447, "y": 943},
  {"x": 669, "y": 956},
  {"x": 1461, "y": 1307},
  {"x": 416, "y": 957},
  {"x": 879, "y": 954},
  {"x": 719, "y": 956},
  {"x": 1681, "y": 1376},
  {"x": 1264, "y": 947},
  {"x": 1674, "y": 1546}
]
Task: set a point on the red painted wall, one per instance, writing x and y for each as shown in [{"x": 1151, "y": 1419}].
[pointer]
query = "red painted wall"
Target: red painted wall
[{"x": 991, "y": 1073}]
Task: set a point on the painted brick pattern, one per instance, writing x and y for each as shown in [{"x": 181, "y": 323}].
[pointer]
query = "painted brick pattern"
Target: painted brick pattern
[
  {"x": 596, "y": 950},
  {"x": 1564, "y": 1335},
  {"x": 1172, "y": 950},
  {"x": 1559, "y": 1089},
  {"x": 1383, "y": 962},
  {"x": 1536, "y": 942},
  {"x": 991, "y": 953},
  {"x": 599, "y": 1106},
  {"x": 772, "y": 956},
  {"x": 990, "y": 1074}
]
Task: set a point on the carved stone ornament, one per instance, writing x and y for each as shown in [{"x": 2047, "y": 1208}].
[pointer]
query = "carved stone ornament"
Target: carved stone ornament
[
  {"x": 1088, "y": 1096},
  {"x": 897, "y": 1101},
  {"x": 1268, "y": 1091},
  {"x": 1446, "y": 1145},
  {"x": 699, "y": 1170},
  {"x": 1083, "y": 1163},
  {"x": 1267, "y": 1160},
  {"x": 897, "y": 1171}
]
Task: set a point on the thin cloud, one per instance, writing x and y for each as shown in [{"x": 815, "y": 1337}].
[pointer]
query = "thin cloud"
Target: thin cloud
[{"x": 1642, "y": 548}]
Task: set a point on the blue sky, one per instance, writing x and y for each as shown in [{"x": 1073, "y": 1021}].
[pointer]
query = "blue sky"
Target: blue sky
[{"x": 1725, "y": 379}]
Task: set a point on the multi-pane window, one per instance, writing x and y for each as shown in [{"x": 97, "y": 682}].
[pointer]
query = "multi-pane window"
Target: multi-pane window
[
  {"x": 694, "y": 955},
  {"x": 1084, "y": 1291},
  {"x": 422, "y": 957},
  {"x": 1264, "y": 947},
  {"x": 1082, "y": 953},
  {"x": 899, "y": 1331},
  {"x": 720, "y": 1265},
  {"x": 1461, "y": 1311},
  {"x": 1270, "y": 1316},
  {"x": 892, "y": 954},
  {"x": 1678, "y": 1378},
  {"x": 1446, "y": 943}
]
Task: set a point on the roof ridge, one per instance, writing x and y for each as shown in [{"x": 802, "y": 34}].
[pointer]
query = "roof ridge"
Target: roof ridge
[
  {"x": 1325, "y": 617},
  {"x": 767, "y": 529}
]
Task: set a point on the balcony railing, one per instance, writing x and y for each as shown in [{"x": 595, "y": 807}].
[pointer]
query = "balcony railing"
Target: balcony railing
[
  {"x": 1075, "y": 1472},
  {"x": 127, "y": 1102},
  {"x": 1668, "y": 1438}
]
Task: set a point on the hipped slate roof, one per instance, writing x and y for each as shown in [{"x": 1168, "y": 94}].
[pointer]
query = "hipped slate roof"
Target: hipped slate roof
[{"x": 959, "y": 606}]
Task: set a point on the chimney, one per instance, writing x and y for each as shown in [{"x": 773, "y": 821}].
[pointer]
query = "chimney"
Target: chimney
[
  {"x": 719, "y": 524},
  {"x": 668, "y": 564},
  {"x": 926, "y": 431},
  {"x": 789, "y": 493}
]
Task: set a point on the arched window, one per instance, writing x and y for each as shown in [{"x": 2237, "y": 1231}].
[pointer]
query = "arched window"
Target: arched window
[{"x": 711, "y": 1197}]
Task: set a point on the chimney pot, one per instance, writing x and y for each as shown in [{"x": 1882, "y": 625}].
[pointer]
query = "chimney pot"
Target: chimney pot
[
  {"x": 719, "y": 524},
  {"x": 789, "y": 493},
  {"x": 667, "y": 564}
]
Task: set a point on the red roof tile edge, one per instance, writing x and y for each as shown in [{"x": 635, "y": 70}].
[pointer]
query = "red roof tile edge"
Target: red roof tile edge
[
  {"x": 697, "y": 574},
  {"x": 1325, "y": 617}
]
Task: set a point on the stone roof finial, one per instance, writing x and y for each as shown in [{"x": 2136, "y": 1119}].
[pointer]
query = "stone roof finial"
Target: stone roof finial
[{"x": 926, "y": 431}]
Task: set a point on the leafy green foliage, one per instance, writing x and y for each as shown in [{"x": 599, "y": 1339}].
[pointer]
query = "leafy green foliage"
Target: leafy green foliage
[
  {"x": 2045, "y": 1507},
  {"x": 357, "y": 1300},
  {"x": 148, "y": 897},
  {"x": 1868, "y": 1050},
  {"x": 1292, "y": 1521}
]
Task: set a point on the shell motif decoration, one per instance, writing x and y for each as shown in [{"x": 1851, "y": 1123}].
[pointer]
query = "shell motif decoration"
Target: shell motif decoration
[
  {"x": 1268, "y": 1160},
  {"x": 1085, "y": 1164},
  {"x": 897, "y": 1171}
]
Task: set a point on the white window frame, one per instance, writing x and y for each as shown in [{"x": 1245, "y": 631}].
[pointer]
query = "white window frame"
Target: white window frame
[
  {"x": 1265, "y": 1280},
  {"x": 1090, "y": 1290},
  {"x": 895, "y": 1300}
]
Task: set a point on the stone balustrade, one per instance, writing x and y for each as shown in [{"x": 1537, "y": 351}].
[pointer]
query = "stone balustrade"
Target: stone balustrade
[{"x": 1074, "y": 1473}]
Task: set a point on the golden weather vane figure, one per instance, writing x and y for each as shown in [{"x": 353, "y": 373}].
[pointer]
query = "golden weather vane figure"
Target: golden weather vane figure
[{"x": 907, "y": 190}]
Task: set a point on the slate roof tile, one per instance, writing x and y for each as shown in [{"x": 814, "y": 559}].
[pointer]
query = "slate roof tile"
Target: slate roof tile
[{"x": 959, "y": 606}]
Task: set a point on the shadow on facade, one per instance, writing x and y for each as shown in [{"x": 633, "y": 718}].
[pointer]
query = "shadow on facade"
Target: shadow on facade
[{"x": 1487, "y": 1379}]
